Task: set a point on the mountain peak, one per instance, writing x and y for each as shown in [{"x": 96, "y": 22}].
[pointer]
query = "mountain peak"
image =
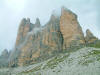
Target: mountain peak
[
  {"x": 89, "y": 34},
  {"x": 37, "y": 23},
  {"x": 90, "y": 37},
  {"x": 53, "y": 17},
  {"x": 23, "y": 21},
  {"x": 60, "y": 33},
  {"x": 68, "y": 11},
  {"x": 28, "y": 20},
  {"x": 5, "y": 52}
]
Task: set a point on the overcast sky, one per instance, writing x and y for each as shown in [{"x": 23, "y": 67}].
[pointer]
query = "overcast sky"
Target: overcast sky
[{"x": 12, "y": 11}]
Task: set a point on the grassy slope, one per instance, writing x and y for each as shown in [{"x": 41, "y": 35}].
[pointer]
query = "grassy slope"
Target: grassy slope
[{"x": 96, "y": 45}]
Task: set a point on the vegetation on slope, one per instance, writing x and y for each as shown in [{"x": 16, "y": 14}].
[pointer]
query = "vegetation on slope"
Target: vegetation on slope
[
  {"x": 84, "y": 60},
  {"x": 95, "y": 54},
  {"x": 95, "y": 44}
]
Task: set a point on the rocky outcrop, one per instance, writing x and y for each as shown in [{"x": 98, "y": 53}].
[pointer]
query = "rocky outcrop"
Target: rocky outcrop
[
  {"x": 90, "y": 38},
  {"x": 36, "y": 43},
  {"x": 4, "y": 58},
  {"x": 37, "y": 23},
  {"x": 70, "y": 28},
  {"x": 42, "y": 42},
  {"x": 5, "y": 53},
  {"x": 25, "y": 27}
]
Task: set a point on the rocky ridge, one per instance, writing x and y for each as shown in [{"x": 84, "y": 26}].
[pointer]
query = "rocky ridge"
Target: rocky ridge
[{"x": 36, "y": 43}]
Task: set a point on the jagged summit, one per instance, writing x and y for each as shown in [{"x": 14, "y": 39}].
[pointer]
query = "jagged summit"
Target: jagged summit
[
  {"x": 90, "y": 37},
  {"x": 58, "y": 12},
  {"x": 5, "y": 53},
  {"x": 28, "y": 20},
  {"x": 57, "y": 35},
  {"x": 71, "y": 29},
  {"x": 53, "y": 18},
  {"x": 37, "y": 23},
  {"x": 64, "y": 9},
  {"x": 23, "y": 21},
  {"x": 89, "y": 33},
  {"x": 35, "y": 43}
]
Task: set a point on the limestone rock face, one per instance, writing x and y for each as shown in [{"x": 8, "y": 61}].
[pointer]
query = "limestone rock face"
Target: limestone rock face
[
  {"x": 90, "y": 38},
  {"x": 25, "y": 27},
  {"x": 41, "y": 42},
  {"x": 70, "y": 28},
  {"x": 36, "y": 43}
]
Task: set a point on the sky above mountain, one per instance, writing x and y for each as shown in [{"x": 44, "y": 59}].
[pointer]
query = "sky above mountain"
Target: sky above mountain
[{"x": 12, "y": 11}]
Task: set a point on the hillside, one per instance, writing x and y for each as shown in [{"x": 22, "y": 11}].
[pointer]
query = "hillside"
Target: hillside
[{"x": 85, "y": 61}]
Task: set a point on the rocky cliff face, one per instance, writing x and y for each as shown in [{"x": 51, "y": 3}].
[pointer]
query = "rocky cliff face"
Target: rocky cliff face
[
  {"x": 24, "y": 28},
  {"x": 41, "y": 42},
  {"x": 36, "y": 43},
  {"x": 70, "y": 28},
  {"x": 90, "y": 38}
]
